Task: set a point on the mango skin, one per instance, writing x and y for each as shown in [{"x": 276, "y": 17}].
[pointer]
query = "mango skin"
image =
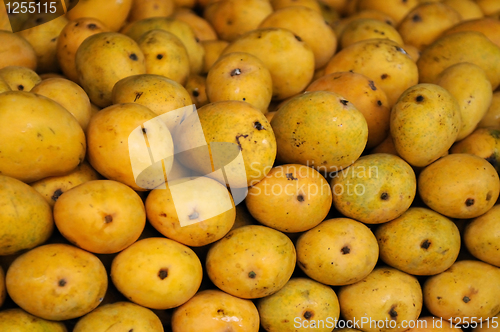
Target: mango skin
[
  {"x": 426, "y": 22},
  {"x": 289, "y": 60},
  {"x": 19, "y": 78},
  {"x": 19, "y": 320},
  {"x": 482, "y": 237},
  {"x": 444, "y": 188},
  {"x": 424, "y": 123},
  {"x": 57, "y": 281},
  {"x": 470, "y": 86},
  {"x": 100, "y": 216},
  {"x": 382, "y": 60},
  {"x": 237, "y": 266},
  {"x": 375, "y": 189},
  {"x": 240, "y": 76},
  {"x": 69, "y": 95},
  {"x": 482, "y": 142},
  {"x": 365, "y": 95},
  {"x": 109, "y": 152},
  {"x": 4, "y": 86},
  {"x": 310, "y": 26},
  {"x": 43, "y": 39},
  {"x": 54, "y": 186},
  {"x": 104, "y": 59},
  {"x": 320, "y": 129},
  {"x": 180, "y": 29},
  {"x": 158, "y": 93},
  {"x": 44, "y": 139},
  {"x": 464, "y": 46},
  {"x": 300, "y": 297},
  {"x": 331, "y": 252},
  {"x": 16, "y": 51},
  {"x": 157, "y": 273},
  {"x": 213, "y": 310},
  {"x": 304, "y": 198},
  {"x": 26, "y": 217},
  {"x": 204, "y": 195},
  {"x": 492, "y": 116},
  {"x": 431, "y": 244},
  {"x": 387, "y": 293},
  {"x": 229, "y": 121},
  {"x": 119, "y": 315},
  {"x": 165, "y": 55},
  {"x": 101, "y": 11},
  {"x": 467, "y": 289}
]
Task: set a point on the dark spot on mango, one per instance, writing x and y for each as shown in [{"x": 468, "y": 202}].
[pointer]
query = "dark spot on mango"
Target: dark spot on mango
[
  {"x": 300, "y": 198},
  {"x": 61, "y": 283},
  {"x": 416, "y": 18},
  {"x": 466, "y": 299},
  {"x": 308, "y": 314},
  {"x": 384, "y": 76},
  {"x": 379, "y": 103},
  {"x": 220, "y": 312},
  {"x": 419, "y": 98},
  {"x": 425, "y": 244},
  {"x": 384, "y": 196},
  {"x": 488, "y": 195},
  {"x": 133, "y": 57},
  {"x": 159, "y": 56},
  {"x": 57, "y": 193},
  {"x": 163, "y": 215},
  {"x": 20, "y": 87},
  {"x": 289, "y": 176},
  {"x": 195, "y": 93},
  {"x": 298, "y": 38},
  {"x": 252, "y": 274},
  {"x": 257, "y": 125},
  {"x": 345, "y": 250},
  {"x": 144, "y": 130},
  {"x": 194, "y": 215},
  {"x": 137, "y": 96},
  {"x": 393, "y": 313},
  {"x": 91, "y": 26},
  {"x": 469, "y": 201},
  {"x": 344, "y": 102},
  {"x": 238, "y": 140},
  {"x": 372, "y": 86},
  {"x": 163, "y": 273},
  {"x": 236, "y": 71},
  {"x": 108, "y": 219}
]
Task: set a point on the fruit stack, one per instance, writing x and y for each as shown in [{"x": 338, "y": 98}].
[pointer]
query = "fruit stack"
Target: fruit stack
[{"x": 250, "y": 165}]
